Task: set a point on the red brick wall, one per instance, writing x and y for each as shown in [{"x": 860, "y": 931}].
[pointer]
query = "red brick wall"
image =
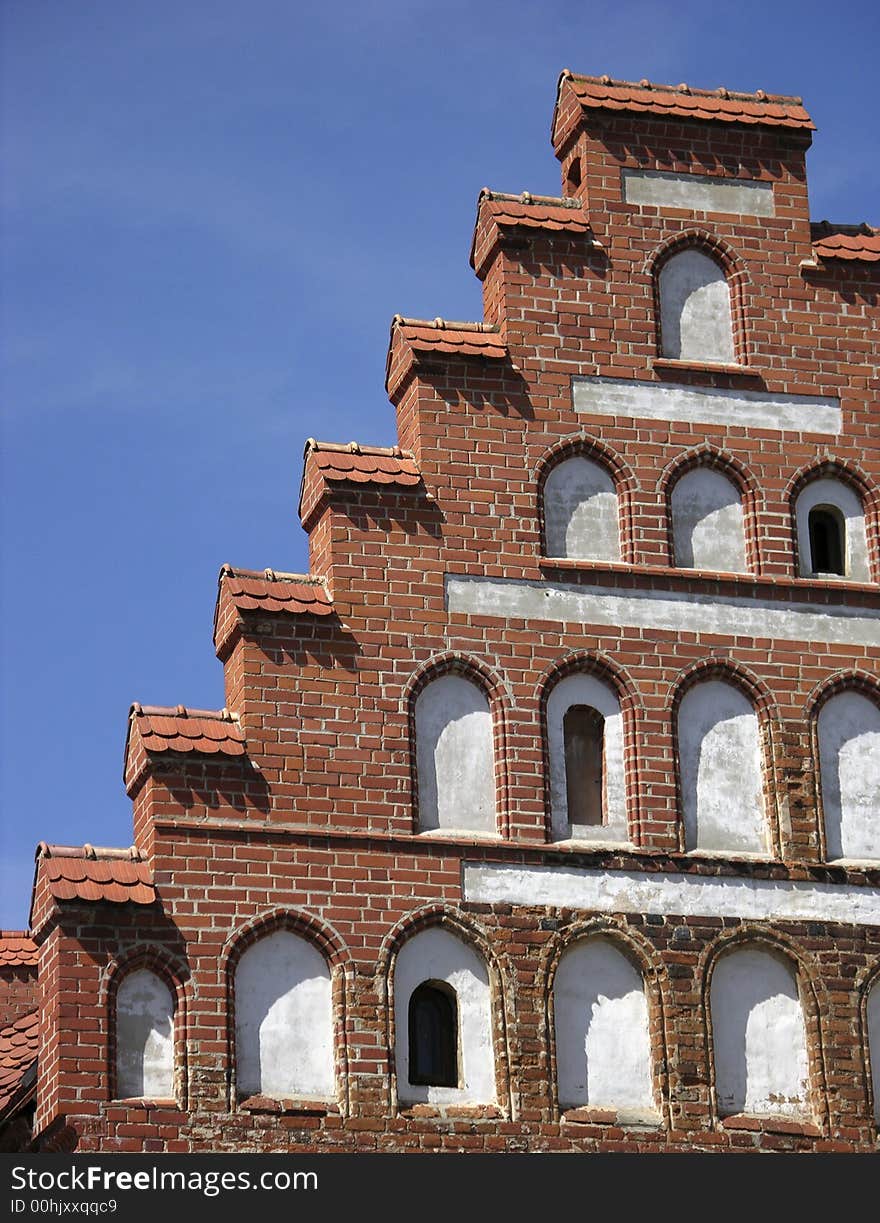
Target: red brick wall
[
  {"x": 18, "y": 992},
  {"x": 319, "y": 819}
]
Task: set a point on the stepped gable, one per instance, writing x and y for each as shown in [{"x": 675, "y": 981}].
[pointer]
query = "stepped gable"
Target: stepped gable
[
  {"x": 94, "y": 873},
  {"x": 153, "y": 729},
  {"x": 17, "y": 949},
  {"x": 19, "y": 1043},
  {"x": 498, "y": 212},
  {"x": 579, "y": 94},
  {"x": 590, "y": 744},
  {"x": 240, "y": 591},
  {"x": 329, "y": 464},
  {"x": 853, "y": 243},
  {"x": 416, "y": 341}
]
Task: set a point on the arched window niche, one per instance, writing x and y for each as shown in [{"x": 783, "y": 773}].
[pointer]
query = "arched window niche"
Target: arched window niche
[
  {"x": 581, "y": 514},
  {"x": 284, "y": 1020},
  {"x": 433, "y": 1035},
  {"x": 707, "y": 522},
  {"x": 441, "y": 981},
  {"x": 721, "y": 770},
  {"x": 602, "y": 1031},
  {"x": 586, "y": 761},
  {"x": 144, "y": 1037},
  {"x": 832, "y": 540},
  {"x": 758, "y": 1035},
  {"x": 848, "y": 733},
  {"x": 695, "y": 309},
  {"x": 872, "y": 1017},
  {"x": 455, "y": 756}
]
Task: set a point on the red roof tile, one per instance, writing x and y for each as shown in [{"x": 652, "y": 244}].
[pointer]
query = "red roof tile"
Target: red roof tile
[
  {"x": 94, "y": 874},
  {"x": 153, "y": 730},
  {"x": 180, "y": 729},
  {"x": 850, "y": 242},
  {"x": 18, "y": 1051},
  {"x": 525, "y": 211},
  {"x": 683, "y": 102},
  {"x": 17, "y": 949},
  {"x": 413, "y": 339},
  {"x": 333, "y": 463},
  {"x": 269, "y": 591},
  {"x": 463, "y": 339},
  {"x": 534, "y": 211},
  {"x": 243, "y": 590}
]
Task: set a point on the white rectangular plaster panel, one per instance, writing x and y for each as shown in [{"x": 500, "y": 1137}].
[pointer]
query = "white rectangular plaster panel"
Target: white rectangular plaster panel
[
  {"x": 682, "y": 895},
  {"x": 698, "y": 193},
  {"x": 667, "y": 611},
  {"x": 705, "y": 405}
]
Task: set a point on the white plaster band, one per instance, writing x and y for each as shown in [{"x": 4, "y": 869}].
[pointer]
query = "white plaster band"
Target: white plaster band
[
  {"x": 698, "y": 193},
  {"x": 705, "y": 405},
  {"x": 667, "y": 611},
  {"x": 682, "y": 895}
]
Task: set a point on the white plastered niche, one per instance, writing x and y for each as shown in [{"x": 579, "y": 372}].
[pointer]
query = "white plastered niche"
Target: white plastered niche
[
  {"x": 144, "y": 1037},
  {"x": 455, "y": 756},
  {"x": 758, "y": 1036},
  {"x": 581, "y": 520},
  {"x": 695, "y": 322},
  {"x": 603, "y": 1043},
  {"x": 872, "y": 1010},
  {"x": 849, "y": 768},
  {"x": 582, "y": 689},
  {"x": 719, "y": 750},
  {"x": 436, "y": 954},
  {"x": 284, "y": 1020},
  {"x": 707, "y": 522}
]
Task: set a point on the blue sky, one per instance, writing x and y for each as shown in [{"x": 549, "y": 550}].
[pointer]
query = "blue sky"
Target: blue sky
[{"x": 211, "y": 210}]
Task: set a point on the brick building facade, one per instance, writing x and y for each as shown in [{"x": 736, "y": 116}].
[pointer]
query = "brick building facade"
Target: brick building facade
[{"x": 544, "y": 812}]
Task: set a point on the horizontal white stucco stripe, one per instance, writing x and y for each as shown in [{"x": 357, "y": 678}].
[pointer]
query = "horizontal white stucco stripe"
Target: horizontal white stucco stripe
[
  {"x": 700, "y": 193},
  {"x": 684, "y": 613},
  {"x": 682, "y": 895},
  {"x": 705, "y": 405}
]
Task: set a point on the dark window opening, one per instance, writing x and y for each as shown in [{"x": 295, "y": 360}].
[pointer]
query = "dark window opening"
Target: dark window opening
[
  {"x": 573, "y": 176},
  {"x": 583, "y": 732},
  {"x": 433, "y": 1035},
  {"x": 827, "y": 550}
]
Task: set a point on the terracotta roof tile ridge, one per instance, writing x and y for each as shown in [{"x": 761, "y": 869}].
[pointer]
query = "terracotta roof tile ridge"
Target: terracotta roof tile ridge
[
  {"x": 442, "y": 324},
  {"x": 100, "y": 853},
  {"x": 273, "y": 575},
  {"x": 647, "y": 86},
  {"x": 528, "y": 197},
  {"x": 15, "y": 934},
  {"x": 390, "y": 452},
  {"x": 181, "y": 711},
  {"x": 826, "y": 229}
]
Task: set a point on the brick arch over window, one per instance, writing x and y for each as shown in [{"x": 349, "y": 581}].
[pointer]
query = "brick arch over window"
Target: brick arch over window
[
  {"x": 762, "y": 1022},
  {"x": 591, "y": 681},
  {"x": 844, "y": 718},
  {"x": 709, "y": 246},
  {"x": 712, "y": 459},
  {"x": 312, "y": 1009},
  {"x": 725, "y": 770},
  {"x": 863, "y": 534},
  {"x": 565, "y": 505},
  {"x": 147, "y": 1036},
  {"x": 605, "y": 1020},
  {"x": 470, "y": 967},
  {"x": 442, "y": 778}
]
